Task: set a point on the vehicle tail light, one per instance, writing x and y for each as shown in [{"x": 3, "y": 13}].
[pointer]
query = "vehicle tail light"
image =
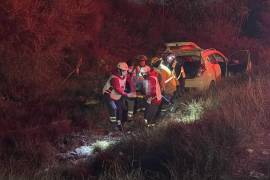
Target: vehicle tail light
[{"x": 201, "y": 70}]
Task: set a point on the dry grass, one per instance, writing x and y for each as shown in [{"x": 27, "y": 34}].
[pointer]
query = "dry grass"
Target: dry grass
[
  {"x": 232, "y": 120},
  {"x": 210, "y": 148},
  {"x": 41, "y": 44}
]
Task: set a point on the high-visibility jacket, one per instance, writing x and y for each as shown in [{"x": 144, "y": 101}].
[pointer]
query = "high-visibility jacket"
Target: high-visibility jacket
[
  {"x": 152, "y": 89},
  {"x": 140, "y": 70},
  {"x": 182, "y": 74},
  {"x": 158, "y": 71},
  {"x": 131, "y": 78},
  {"x": 169, "y": 81},
  {"x": 115, "y": 87}
]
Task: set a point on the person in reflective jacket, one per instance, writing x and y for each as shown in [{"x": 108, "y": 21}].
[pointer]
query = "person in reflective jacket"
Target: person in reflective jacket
[
  {"x": 153, "y": 97},
  {"x": 140, "y": 69},
  {"x": 114, "y": 93},
  {"x": 131, "y": 88}
]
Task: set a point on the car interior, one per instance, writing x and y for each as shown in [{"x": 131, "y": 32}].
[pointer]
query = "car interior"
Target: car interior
[
  {"x": 238, "y": 63},
  {"x": 191, "y": 65}
]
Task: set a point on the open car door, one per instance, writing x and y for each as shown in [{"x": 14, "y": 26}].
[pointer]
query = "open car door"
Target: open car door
[{"x": 239, "y": 63}]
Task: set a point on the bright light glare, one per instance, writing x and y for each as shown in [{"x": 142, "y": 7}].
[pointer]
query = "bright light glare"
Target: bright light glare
[
  {"x": 91, "y": 149},
  {"x": 83, "y": 151},
  {"x": 194, "y": 110},
  {"x": 191, "y": 111},
  {"x": 104, "y": 144}
]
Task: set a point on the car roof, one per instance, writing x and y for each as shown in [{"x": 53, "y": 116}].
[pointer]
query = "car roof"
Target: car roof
[
  {"x": 188, "y": 53},
  {"x": 190, "y": 49},
  {"x": 184, "y": 48}
]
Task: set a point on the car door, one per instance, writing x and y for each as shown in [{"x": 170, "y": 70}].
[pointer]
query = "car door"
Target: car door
[
  {"x": 214, "y": 66},
  {"x": 222, "y": 62},
  {"x": 240, "y": 62}
]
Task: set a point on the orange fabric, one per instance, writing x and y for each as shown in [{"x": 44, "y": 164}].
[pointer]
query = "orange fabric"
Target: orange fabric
[{"x": 169, "y": 87}]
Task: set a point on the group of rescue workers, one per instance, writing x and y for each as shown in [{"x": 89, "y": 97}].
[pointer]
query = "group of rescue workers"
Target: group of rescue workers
[{"x": 135, "y": 86}]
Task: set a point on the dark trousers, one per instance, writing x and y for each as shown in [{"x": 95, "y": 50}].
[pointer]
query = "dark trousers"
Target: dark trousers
[
  {"x": 139, "y": 104},
  {"x": 181, "y": 88},
  {"x": 151, "y": 112},
  {"x": 131, "y": 104},
  {"x": 117, "y": 108}
]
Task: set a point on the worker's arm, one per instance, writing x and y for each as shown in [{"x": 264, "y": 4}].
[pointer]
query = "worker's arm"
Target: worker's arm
[
  {"x": 116, "y": 85},
  {"x": 151, "y": 91},
  {"x": 183, "y": 72}
]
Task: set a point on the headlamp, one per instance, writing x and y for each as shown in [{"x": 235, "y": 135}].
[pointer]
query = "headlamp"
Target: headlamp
[{"x": 170, "y": 58}]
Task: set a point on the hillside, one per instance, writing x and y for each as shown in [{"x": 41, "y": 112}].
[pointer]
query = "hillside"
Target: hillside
[{"x": 56, "y": 55}]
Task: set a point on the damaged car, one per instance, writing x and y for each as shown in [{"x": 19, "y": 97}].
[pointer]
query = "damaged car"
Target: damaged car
[{"x": 205, "y": 67}]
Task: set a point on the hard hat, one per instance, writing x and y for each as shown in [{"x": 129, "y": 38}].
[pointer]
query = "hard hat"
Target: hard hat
[
  {"x": 144, "y": 71},
  {"x": 141, "y": 58},
  {"x": 170, "y": 58},
  {"x": 123, "y": 66}
]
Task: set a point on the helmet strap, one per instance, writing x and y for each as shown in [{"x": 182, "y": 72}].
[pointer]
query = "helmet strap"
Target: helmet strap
[{"x": 119, "y": 71}]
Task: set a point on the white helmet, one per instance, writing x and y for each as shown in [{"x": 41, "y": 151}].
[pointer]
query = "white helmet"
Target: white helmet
[
  {"x": 170, "y": 58},
  {"x": 144, "y": 71},
  {"x": 123, "y": 66}
]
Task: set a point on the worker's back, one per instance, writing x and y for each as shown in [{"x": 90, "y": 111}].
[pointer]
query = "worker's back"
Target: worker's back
[{"x": 168, "y": 82}]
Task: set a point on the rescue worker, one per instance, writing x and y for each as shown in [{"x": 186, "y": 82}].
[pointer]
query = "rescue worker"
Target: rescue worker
[
  {"x": 169, "y": 82},
  {"x": 114, "y": 93},
  {"x": 155, "y": 63},
  {"x": 153, "y": 97},
  {"x": 140, "y": 69},
  {"x": 131, "y": 77},
  {"x": 131, "y": 87}
]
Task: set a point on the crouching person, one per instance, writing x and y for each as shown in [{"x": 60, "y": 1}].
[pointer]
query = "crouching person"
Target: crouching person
[
  {"x": 114, "y": 93},
  {"x": 153, "y": 97}
]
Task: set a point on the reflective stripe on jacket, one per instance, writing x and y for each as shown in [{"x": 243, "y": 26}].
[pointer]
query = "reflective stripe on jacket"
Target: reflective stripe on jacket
[
  {"x": 110, "y": 89},
  {"x": 169, "y": 81},
  {"x": 152, "y": 90},
  {"x": 141, "y": 70}
]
